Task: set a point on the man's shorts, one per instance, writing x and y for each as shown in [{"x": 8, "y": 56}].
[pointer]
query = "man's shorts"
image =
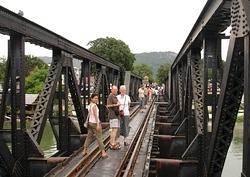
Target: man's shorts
[{"x": 114, "y": 123}]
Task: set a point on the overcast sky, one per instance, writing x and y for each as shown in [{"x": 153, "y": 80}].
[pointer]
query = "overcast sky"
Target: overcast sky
[{"x": 145, "y": 25}]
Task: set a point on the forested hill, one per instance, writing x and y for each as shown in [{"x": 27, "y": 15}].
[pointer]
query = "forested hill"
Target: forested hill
[{"x": 155, "y": 59}]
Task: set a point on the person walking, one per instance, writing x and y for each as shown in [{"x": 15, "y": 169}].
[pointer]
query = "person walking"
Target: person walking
[
  {"x": 94, "y": 127},
  {"x": 124, "y": 101},
  {"x": 150, "y": 93},
  {"x": 113, "y": 115},
  {"x": 145, "y": 96},
  {"x": 141, "y": 97}
]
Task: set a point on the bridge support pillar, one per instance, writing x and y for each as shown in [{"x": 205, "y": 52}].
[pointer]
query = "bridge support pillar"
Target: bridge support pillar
[
  {"x": 85, "y": 83},
  {"x": 127, "y": 81},
  {"x": 17, "y": 100},
  {"x": 246, "y": 136}
]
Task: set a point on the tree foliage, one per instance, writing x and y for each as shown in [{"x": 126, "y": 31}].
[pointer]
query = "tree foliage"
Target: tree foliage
[
  {"x": 2, "y": 68},
  {"x": 31, "y": 62},
  {"x": 35, "y": 73},
  {"x": 144, "y": 70},
  {"x": 113, "y": 50},
  {"x": 162, "y": 73},
  {"x": 35, "y": 81}
]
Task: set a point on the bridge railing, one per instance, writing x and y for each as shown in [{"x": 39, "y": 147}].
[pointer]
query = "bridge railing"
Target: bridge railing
[{"x": 191, "y": 76}]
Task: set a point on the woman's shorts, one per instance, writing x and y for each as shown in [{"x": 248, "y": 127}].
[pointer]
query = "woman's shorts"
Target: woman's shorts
[{"x": 114, "y": 123}]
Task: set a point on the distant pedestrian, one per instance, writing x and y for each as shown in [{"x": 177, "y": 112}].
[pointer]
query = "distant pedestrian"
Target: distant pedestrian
[
  {"x": 150, "y": 93},
  {"x": 124, "y": 101},
  {"x": 94, "y": 126},
  {"x": 113, "y": 115},
  {"x": 141, "y": 97},
  {"x": 145, "y": 96}
]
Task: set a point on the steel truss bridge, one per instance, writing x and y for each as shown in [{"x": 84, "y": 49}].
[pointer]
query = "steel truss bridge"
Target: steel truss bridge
[{"x": 187, "y": 96}]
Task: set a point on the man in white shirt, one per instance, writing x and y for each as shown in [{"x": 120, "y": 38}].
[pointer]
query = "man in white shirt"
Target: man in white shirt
[
  {"x": 124, "y": 101},
  {"x": 141, "y": 97}
]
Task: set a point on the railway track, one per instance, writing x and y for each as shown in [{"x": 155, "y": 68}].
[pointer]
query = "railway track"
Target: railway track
[
  {"x": 128, "y": 162},
  {"x": 79, "y": 165}
]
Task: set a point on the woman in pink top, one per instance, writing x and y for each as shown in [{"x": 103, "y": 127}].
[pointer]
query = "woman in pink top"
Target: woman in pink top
[{"x": 94, "y": 126}]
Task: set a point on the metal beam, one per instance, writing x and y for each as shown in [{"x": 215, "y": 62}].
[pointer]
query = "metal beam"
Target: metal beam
[
  {"x": 46, "y": 97},
  {"x": 246, "y": 130},
  {"x": 201, "y": 24},
  {"x": 5, "y": 156},
  {"x": 127, "y": 81},
  {"x": 227, "y": 109},
  {"x": 197, "y": 83},
  {"x": 39, "y": 35}
]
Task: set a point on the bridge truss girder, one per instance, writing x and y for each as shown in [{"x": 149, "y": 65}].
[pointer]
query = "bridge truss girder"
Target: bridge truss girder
[
  {"x": 190, "y": 93},
  {"x": 26, "y": 157}
]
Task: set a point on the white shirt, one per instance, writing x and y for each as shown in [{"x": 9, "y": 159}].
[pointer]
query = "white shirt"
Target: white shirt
[
  {"x": 124, "y": 103},
  {"x": 141, "y": 93}
]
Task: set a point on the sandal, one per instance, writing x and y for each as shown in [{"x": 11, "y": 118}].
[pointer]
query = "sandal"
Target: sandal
[
  {"x": 84, "y": 152},
  {"x": 114, "y": 147},
  {"x": 105, "y": 156}
]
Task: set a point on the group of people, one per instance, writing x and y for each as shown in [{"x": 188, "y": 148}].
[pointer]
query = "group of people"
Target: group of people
[{"x": 118, "y": 106}]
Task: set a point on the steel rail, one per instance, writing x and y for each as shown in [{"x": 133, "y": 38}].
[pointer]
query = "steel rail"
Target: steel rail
[
  {"x": 90, "y": 164},
  {"x": 87, "y": 162},
  {"x": 127, "y": 165}
]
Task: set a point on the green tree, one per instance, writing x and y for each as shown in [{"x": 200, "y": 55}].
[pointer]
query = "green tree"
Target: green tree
[
  {"x": 162, "y": 72},
  {"x": 144, "y": 70},
  {"x": 113, "y": 50},
  {"x": 35, "y": 81},
  {"x": 35, "y": 73},
  {"x": 31, "y": 62}
]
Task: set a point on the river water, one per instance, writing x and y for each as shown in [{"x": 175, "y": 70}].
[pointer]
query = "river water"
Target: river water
[{"x": 232, "y": 166}]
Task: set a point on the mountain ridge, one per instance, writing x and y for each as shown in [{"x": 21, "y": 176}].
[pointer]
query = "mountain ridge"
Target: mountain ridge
[{"x": 155, "y": 59}]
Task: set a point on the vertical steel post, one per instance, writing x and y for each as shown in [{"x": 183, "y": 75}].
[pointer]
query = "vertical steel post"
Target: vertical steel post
[
  {"x": 66, "y": 122},
  {"x": 111, "y": 76},
  {"x": 211, "y": 56},
  {"x": 60, "y": 112},
  {"x": 17, "y": 99},
  {"x": 210, "y": 62},
  {"x": 198, "y": 88},
  {"x": 246, "y": 135},
  {"x": 216, "y": 65},
  {"x": 173, "y": 87},
  {"x": 85, "y": 92},
  {"x": 170, "y": 86},
  {"x": 98, "y": 71},
  {"x": 127, "y": 82},
  {"x": 17, "y": 91}
]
